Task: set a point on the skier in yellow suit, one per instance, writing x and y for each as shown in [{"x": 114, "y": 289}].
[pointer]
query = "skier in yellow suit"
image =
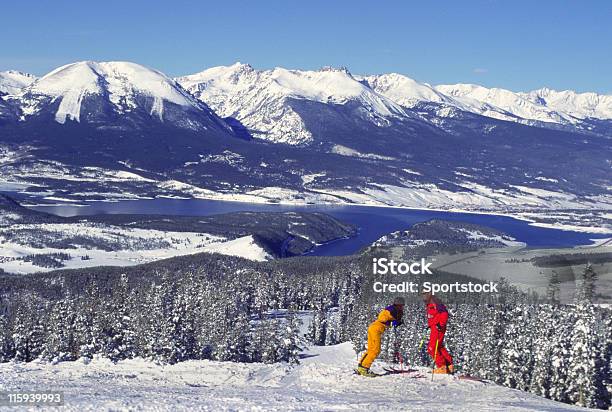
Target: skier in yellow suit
[{"x": 389, "y": 316}]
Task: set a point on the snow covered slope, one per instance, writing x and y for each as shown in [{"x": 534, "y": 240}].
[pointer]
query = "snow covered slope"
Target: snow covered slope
[
  {"x": 579, "y": 105},
  {"x": 108, "y": 245},
  {"x": 406, "y": 91},
  {"x": 93, "y": 92},
  {"x": 323, "y": 381},
  {"x": 503, "y": 104},
  {"x": 12, "y": 81},
  {"x": 261, "y": 99}
]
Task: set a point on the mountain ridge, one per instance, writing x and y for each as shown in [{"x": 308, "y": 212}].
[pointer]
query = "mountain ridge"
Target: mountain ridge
[
  {"x": 260, "y": 101},
  {"x": 112, "y": 92},
  {"x": 279, "y": 135},
  {"x": 540, "y": 108}
]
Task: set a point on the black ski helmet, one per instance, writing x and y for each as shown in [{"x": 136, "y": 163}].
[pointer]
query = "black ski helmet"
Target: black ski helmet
[{"x": 399, "y": 301}]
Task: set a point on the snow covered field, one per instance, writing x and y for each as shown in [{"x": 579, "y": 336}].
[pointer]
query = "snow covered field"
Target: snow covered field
[
  {"x": 323, "y": 381},
  {"x": 516, "y": 265},
  {"x": 93, "y": 244}
]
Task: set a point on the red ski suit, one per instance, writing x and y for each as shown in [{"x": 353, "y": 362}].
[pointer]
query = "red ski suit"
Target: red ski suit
[{"x": 437, "y": 317}]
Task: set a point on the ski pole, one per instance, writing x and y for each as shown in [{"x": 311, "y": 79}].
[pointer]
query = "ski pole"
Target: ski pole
[
  {"x": 434, "y": 362},
  {"x": 423, "y": 340}
]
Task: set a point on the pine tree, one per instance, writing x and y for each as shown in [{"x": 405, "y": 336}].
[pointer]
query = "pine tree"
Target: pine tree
[
  {"x": 151, "y": 323},
  {"x": 60, "y": 343},
  {"x": 292, "y": 341},
  {"x": 87, "y": 322},
  {"x": 582, "y": 373},
  {"x": 544, "y": 330},
  {"x": 119, "y": 334},
  {"x": 7, "y": 350},
  {"x": 560, "y": 349},
  {"x": 318, "y": 327},
  {"x": 29, "y": 329}
]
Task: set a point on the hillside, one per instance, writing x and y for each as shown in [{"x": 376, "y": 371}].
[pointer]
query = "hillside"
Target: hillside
[{"x": 323, "y": 381}]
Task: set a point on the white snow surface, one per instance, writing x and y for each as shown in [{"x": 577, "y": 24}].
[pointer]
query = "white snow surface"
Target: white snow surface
[
  {"x": 503, "y": 104},
  {"x": 12, "y": 81},
  {"x": 404, "y": 90},
  {"x": 323, "y": 381},
  {"x": 259, "y": 98},
  {"x": 121, "y": 81},
  {"x": 580, "y": 105},
  {"x": 137, "y": 246}
]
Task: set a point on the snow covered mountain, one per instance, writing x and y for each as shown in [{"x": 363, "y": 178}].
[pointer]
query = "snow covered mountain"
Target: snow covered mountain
[
  {"x": 263, "y": 100},
  {"x": 278, "y": 105},
  {"x": 537, "y": 107},
  {"x": 12, "y": 81},
  {"x": 113, "y": 94},
  {"x": 503, "y": 104},
  {"x": 404, "y": 90},
  {"x": 305, "y": 136},
  {"x": 578, "y": 105}
]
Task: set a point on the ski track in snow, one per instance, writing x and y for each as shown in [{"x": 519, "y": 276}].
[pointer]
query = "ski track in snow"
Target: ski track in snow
[{"x": 323, "y": 381}]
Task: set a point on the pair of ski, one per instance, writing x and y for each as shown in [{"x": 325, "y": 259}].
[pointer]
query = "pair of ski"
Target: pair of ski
[
  {"x": 411, "y": 374},
  {"x": 390, "y": 371},
  {"x": 393, "y": 371}
]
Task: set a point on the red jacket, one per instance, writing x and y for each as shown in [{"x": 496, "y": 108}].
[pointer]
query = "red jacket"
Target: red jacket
[{"x": 437, "y": 314}]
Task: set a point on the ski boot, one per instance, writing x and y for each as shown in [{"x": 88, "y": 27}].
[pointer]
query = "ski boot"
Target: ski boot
[
  {"x": 442, "y": 370},
  {"x": 365, "y": 372}
]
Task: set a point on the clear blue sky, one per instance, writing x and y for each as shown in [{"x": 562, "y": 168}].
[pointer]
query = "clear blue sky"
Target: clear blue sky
[{"x": 515, "y": 44}]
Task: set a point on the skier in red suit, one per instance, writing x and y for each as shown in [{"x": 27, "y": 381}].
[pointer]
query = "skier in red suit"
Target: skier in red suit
[{"x": 437, "y": 319}]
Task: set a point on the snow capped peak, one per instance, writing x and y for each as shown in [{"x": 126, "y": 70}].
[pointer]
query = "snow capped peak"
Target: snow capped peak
[
  {"x": 404, "y": 90},
  {"x": 116, "y": 77},
  {"x": 579, "y": 105},
  {"x": 124, "y": 85},
  {"x": 238, "y": 66},
  {"x": 12, "y": 81},
  {"x": 264, "y": 101},
  {"x": 260, "y": 99},
  {"x": 220, "y": 74},
  {"x": 502, "y": 104},
  {"x": 326, "y": 86}
]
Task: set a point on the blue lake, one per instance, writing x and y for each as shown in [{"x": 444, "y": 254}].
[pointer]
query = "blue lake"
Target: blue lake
[{"x": 373, "y": 222}]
